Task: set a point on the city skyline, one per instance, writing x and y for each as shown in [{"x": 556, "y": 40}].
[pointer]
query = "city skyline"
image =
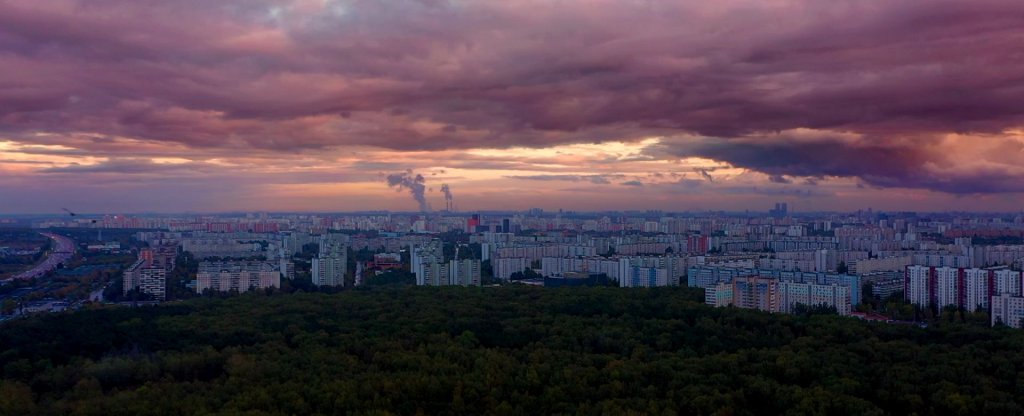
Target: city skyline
[
  {"x": 125, "y": 107},
  {"x": 514, "y": 207}
]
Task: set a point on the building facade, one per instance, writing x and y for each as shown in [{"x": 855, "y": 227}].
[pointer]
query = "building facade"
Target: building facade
[
  {"x": 149, "y": 273},
  {"x": 237, "y": 276},
  {"x": 771, "y": 295},
  {"x": 331, "y": 263},
  {"x": 971, "y": 289},
  {"x": 1008, "y": 310}
]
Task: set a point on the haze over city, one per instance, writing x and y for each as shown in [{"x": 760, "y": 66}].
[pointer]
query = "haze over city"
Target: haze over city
[{"x": 155, "y": 106}]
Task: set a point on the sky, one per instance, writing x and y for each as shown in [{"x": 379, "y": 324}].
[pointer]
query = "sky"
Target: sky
[{"x": 121, "y": 106}]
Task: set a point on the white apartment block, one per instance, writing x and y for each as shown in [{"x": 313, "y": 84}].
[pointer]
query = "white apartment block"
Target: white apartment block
[
  {"x": 1008, "y": 310},
  {"x": 777, "y": 296},
  {"x": 433, "y": 274},
  {"x": 504, "y": 268},
  {"x": 464, "y": 272},
  {"x": 867, "y": 266},
  {"x": 147, "y": 278},
  {"x": 423, "y": 255},
  {"x": 791, "y": 294},
  {"x": 918, "y": 291},
  {"x": 149, "y": 273},
  {"x": 632, "y": 275},
  {"x": 331, "y": 264},
  {"x": 454, "y": 273},
  {"x": 1007, "y": 281},
  {"x": 971, "y": 288},
  {"x": 946, "y": 286},
  {"x": 328, "y": 271},
  {"x": 976, "y": 289},
  {"x": 237, "y": 276}
]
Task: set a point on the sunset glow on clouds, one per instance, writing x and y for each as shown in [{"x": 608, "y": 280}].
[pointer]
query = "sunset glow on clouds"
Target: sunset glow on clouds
[{"x": 126, "y": 106}]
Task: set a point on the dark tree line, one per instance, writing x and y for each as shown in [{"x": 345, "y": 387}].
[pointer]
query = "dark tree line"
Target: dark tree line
[{"x": 507, "y": 350}]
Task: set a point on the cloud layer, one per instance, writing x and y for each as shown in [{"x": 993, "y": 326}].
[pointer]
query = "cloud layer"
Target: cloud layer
[{"x": 896, "y": 94}]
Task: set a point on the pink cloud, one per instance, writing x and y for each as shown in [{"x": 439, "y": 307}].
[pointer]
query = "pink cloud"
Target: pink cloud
[{"x": 262, "y": 76}]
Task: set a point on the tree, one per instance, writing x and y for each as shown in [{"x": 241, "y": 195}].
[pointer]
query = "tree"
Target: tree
[
  {"x": 842, "y": 268},
  {"x": 392, "y": 277},
  {"x": 487, "y": 274},
  {"x": 16, "y": 399},
  {"x": 515, "y": 349},
  {"x": 819, "y": 309},
  {"x": 186, "y": 268},
  {"x": 9, "y": 306}
]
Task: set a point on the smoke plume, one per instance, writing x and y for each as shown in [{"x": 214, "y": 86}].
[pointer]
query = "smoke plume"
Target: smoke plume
[
  {"x": 447, "y": 197},
  {"x": 414, "y": 183}
]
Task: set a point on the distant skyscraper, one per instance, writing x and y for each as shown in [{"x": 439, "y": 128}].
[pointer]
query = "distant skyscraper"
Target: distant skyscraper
[{"x": 781, "y": 210}]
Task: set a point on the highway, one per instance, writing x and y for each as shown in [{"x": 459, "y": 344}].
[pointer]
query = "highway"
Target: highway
[{"x": 63, "y": 250}]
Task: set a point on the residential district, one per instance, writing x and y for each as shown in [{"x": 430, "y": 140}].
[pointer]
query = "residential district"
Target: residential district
[{"x": 897, "y": 267}]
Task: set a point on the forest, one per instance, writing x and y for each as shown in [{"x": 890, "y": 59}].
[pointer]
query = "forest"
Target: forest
[{"x": 502, "y": 350}]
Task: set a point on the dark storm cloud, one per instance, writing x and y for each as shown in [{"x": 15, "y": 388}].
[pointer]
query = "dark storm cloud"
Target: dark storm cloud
[
  {"x": 407, "y": 75},
  {"x": 912, "y": 163}
]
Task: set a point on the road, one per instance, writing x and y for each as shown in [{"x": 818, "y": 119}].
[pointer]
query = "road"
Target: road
[
  {"x": 97, "y": 295},
  {"x": 63, "y": 250}
]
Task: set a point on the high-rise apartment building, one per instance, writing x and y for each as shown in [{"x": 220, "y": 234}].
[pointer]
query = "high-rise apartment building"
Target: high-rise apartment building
[
  {"x": 331, "y": 263},
  {"x": 947, "y": 286},
  {"x": 431, "y": 269},
  {"x": 756, "y": 293},
  {"x": 149, "y": 273},
  {"x": 918, "y": 286},
  {"x": 505, "y": 267},
  {"x": 453, "y": 273},
  {"x": 433, "y": 274},
  {"x": 975, "y": 290},
  {"x": 1006, "y": 281},
  {"x": 1008, "y": 310},
  {"x": 464, "y": 272},
  {"x": 423, "y": 255},
  {"x": 971, "y": 289}
]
